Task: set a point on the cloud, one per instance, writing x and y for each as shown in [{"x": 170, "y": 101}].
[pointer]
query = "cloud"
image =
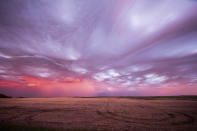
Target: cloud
[{"x": 112, "y": 47}]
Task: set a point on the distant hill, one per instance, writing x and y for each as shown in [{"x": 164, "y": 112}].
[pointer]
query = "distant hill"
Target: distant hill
[
  {"x": 4, "y": 96},
  {"x": 181, "y": 97},
  {"x": 22, "y": 97}
]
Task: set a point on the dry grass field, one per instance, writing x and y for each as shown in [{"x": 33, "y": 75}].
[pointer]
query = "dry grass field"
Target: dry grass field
[{"x": 89, "y": 114}]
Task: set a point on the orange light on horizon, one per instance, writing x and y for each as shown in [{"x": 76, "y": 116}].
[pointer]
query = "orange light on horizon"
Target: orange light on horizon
[{"x": 69, "y": 87}]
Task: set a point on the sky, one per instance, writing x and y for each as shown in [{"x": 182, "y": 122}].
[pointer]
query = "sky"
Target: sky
[{"x": 69, "y": 48}]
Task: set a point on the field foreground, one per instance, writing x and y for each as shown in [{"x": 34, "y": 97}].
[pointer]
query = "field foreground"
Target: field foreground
[{"x": 98, "y": 114}]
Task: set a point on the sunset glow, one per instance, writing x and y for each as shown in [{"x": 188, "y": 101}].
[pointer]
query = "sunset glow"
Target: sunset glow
[{"x": 98, "y": 48}]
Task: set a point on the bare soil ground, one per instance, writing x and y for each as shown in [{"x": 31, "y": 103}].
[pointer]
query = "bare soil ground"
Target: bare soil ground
[{"x": 116, "y": 114}]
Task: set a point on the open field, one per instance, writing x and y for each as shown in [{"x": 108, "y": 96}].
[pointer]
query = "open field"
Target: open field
[{"x": 98, "y": 114}]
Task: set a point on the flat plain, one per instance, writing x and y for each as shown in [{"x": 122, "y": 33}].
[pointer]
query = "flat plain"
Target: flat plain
[{"x": 105, "y": 114}]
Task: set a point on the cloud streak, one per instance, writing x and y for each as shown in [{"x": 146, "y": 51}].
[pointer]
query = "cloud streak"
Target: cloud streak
[{"x": 111, "y": 47}]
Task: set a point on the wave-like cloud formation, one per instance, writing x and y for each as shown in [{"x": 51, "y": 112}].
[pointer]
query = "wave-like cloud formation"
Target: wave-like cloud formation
[{"x": 98, "y": 47}]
